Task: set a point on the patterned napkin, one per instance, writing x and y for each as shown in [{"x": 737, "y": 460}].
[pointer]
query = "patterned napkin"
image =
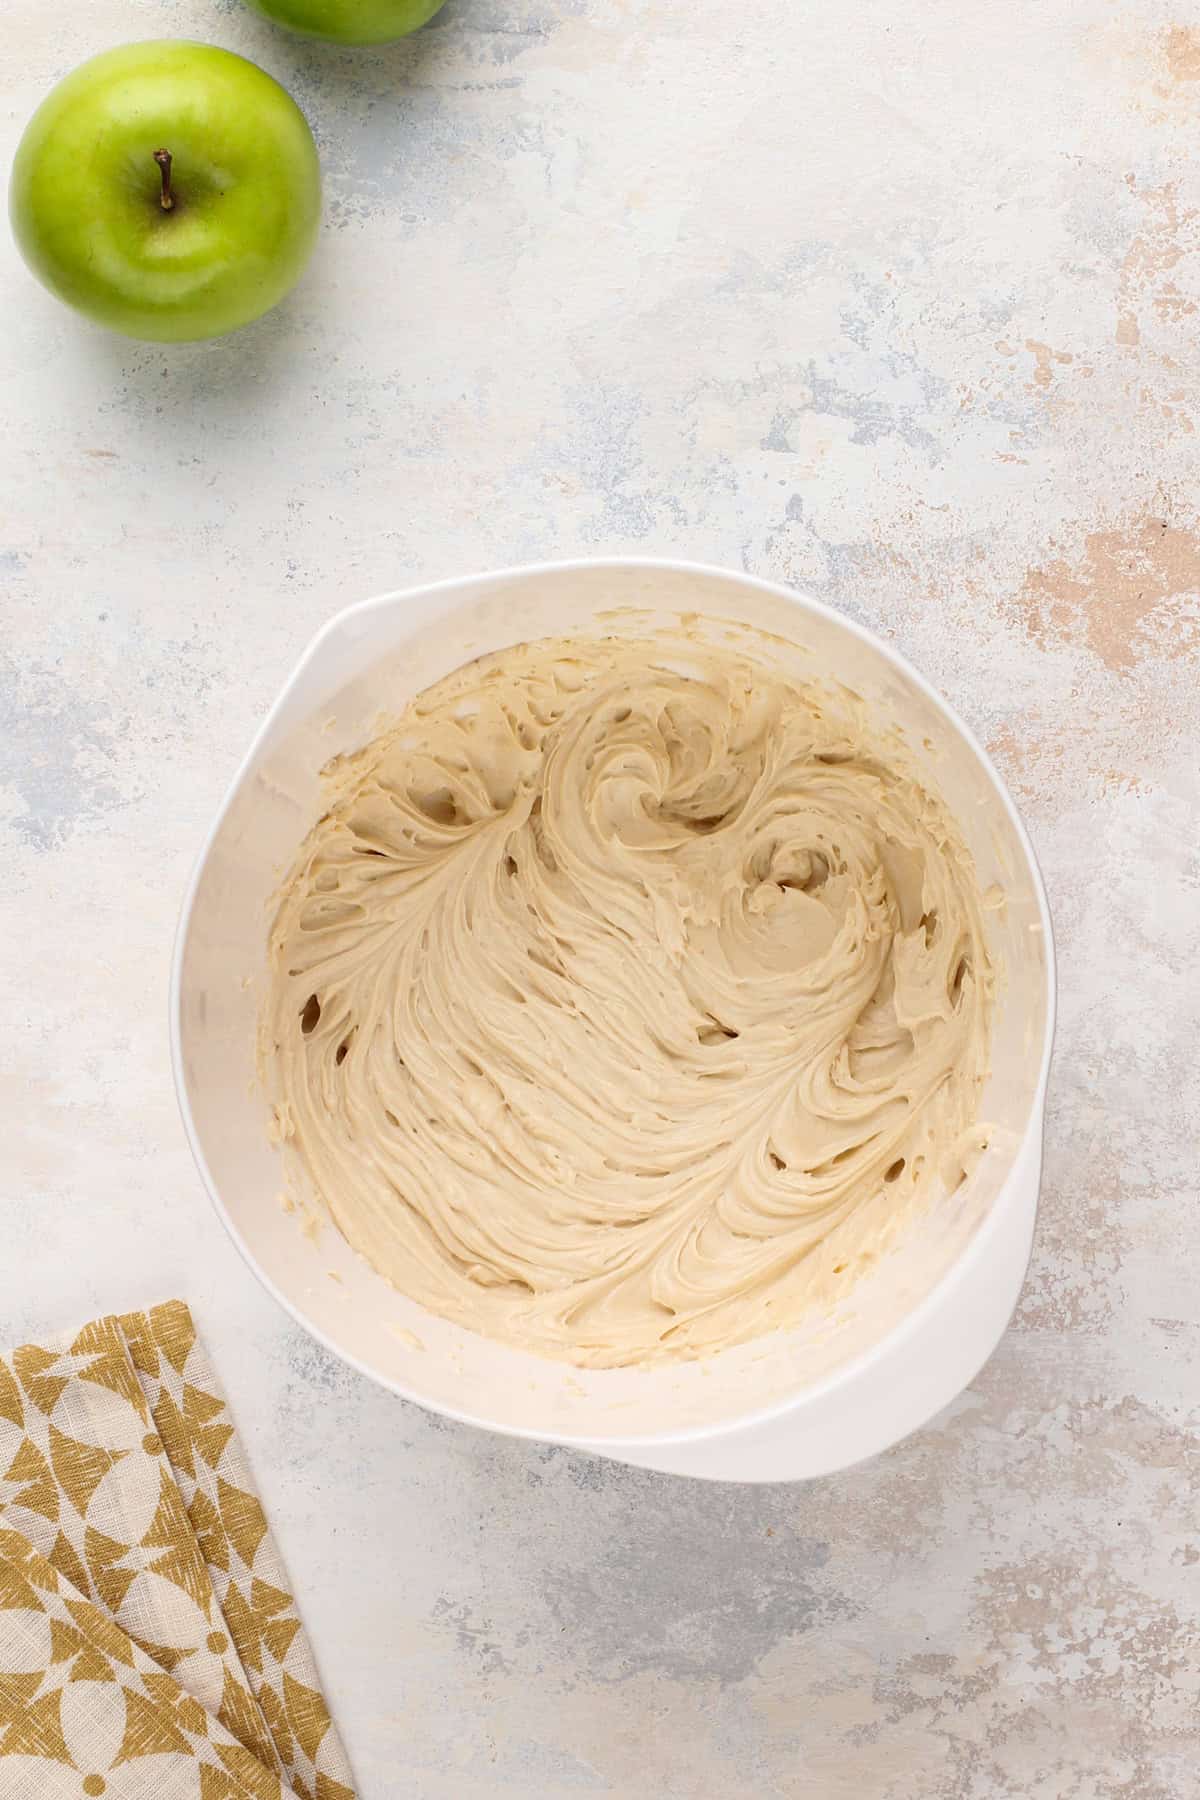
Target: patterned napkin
[{"x": 150, "y": 1648}]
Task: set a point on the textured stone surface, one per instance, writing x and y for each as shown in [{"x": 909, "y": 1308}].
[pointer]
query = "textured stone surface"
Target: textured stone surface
[{"x": 895, "y": 302}]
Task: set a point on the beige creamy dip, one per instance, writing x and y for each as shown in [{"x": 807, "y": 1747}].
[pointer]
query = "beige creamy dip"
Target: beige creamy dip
[{"x": 625, "y": 997}]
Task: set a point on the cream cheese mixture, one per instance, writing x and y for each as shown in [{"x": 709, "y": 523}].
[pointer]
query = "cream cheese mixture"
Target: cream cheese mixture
[{"x": 625, "y": 996}]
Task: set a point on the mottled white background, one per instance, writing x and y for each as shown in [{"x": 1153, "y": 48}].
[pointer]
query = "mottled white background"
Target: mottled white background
[{"x": 896, "y": 301}]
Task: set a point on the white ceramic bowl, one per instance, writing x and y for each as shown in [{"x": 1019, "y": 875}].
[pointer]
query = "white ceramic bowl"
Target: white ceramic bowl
[{"x": 793, "y": 1404}]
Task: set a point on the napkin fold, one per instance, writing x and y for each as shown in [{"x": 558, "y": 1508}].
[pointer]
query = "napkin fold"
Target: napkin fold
[{"x": 150, "y": 1647}]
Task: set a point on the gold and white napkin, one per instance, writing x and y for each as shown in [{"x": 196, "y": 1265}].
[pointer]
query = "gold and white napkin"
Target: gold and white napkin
[{"x": 150, "y": 1647}]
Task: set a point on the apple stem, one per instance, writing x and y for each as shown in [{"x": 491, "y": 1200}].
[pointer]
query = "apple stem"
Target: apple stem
[{"x": 166, "y": 198}]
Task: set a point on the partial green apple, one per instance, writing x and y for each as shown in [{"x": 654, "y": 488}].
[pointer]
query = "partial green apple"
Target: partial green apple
[
  {"x": 169, "y": 190},
  {"x": 350, "y": 21}
]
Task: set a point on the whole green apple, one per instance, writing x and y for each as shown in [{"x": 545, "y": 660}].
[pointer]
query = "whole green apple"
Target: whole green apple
[
  {"x": 350, "y": 21},
  {"x": 170, "y": 190}
]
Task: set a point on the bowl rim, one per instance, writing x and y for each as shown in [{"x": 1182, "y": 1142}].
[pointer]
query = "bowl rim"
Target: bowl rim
[{"x": 959, "y": 1271}]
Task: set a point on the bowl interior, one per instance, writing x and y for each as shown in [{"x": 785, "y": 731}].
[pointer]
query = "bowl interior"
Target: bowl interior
[{"x": 362, "y": 669}]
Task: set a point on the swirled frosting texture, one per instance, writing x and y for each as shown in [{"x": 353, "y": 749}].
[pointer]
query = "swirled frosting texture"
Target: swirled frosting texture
[{"x": 625, "y": 997}]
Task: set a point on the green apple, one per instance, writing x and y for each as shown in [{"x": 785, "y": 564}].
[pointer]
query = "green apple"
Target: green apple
[
  {"x": 350, "y": 21},
  {"x": 170, "y": 190}
]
